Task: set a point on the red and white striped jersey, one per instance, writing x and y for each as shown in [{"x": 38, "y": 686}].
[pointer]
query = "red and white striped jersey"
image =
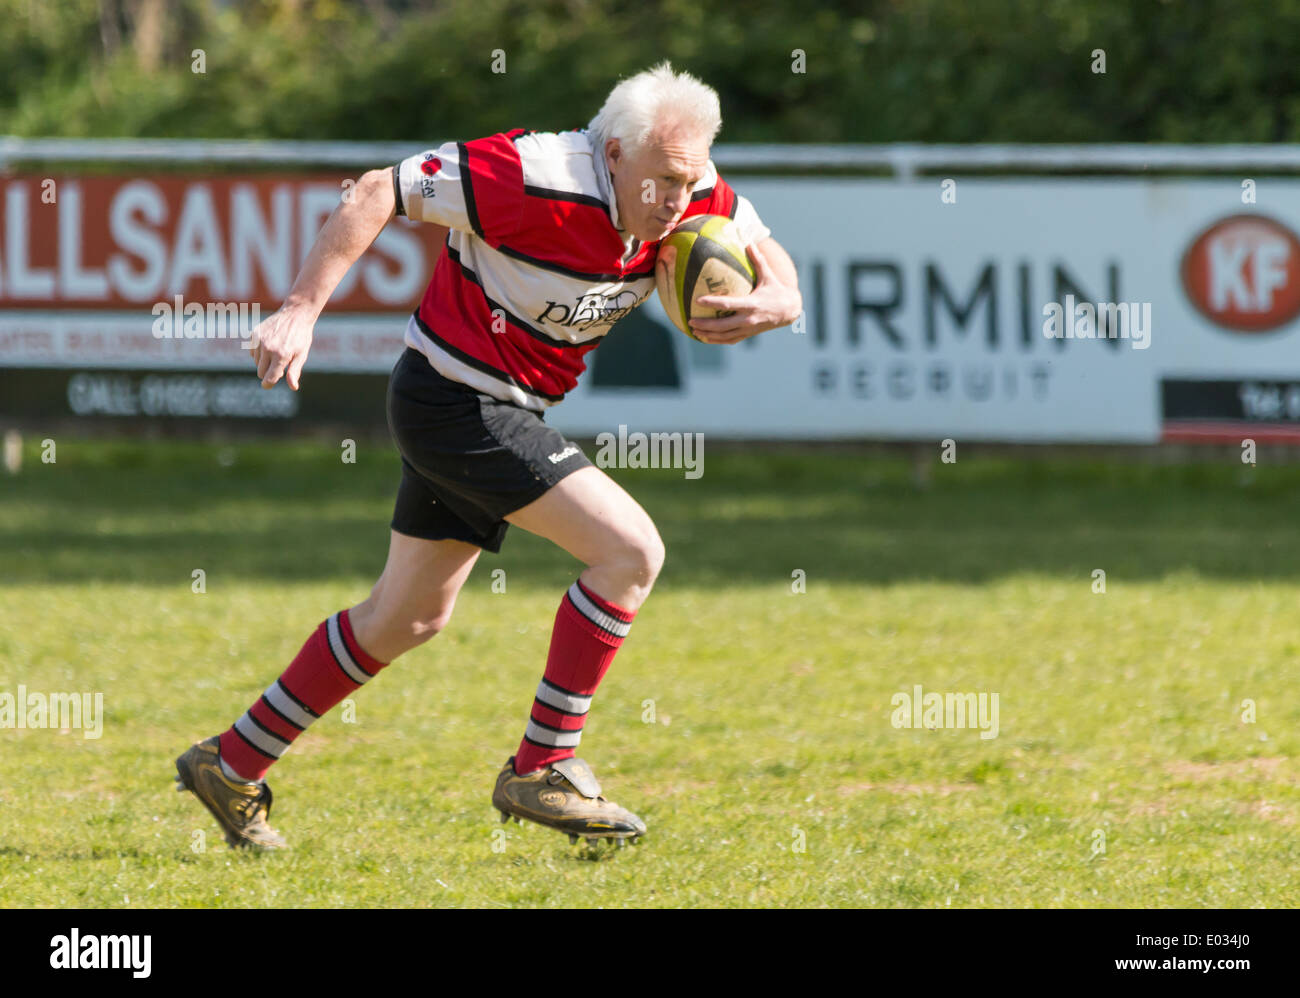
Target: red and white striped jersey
[{"x": 537, "y": 267}]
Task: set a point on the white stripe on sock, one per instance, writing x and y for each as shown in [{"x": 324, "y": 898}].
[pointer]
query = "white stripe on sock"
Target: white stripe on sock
[
  {"x": 341, "y": 651},
  {"x": 570, "y": 702},
  {"x": 555, "y": 739},
  {"x": 281, "y": 701},
  {"x": 269, "y": 744},
  {"x": 596, "y": 615}
]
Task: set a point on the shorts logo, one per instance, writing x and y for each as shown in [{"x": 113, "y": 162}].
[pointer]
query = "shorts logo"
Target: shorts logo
[
  {"x": 431, "y": 166},
  {"x": 563, "y": 455}
]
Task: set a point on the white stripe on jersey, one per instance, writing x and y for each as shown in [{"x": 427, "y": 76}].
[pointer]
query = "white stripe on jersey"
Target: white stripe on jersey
[{"x": 563, "y": 161}]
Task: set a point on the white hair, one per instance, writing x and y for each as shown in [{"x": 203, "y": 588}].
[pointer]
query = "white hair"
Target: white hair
[{"x": 639, "y": 106}]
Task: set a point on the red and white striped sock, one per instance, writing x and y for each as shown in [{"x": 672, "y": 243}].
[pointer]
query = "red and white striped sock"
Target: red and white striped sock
[
  {"x": 330, "y": 666},
  {"x": 588, "y": 631}
]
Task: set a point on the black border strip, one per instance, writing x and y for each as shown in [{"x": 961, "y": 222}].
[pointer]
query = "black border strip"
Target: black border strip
[
  {"x": 553, "y": 195},
  {"x": 552, "y": 727},
  {"x": 289, "y": 693},
  {"x": 244, "y": 738},
  {"x": 267, "y": 731},
  {"x": 559, "y": 710},
  {"x": 596, "y": 623},
  {"x": 559, "y": 269},
  {"x": 397, "y": 189},
  {"x": 343, "y": 635},
  {"x": 560, "y": 689},
  {"x": 337, "y": 661},
  {"x": 617, "y": 614},
  {"x": 271, "y": 707},
  {"x": 467, "y": 188}
]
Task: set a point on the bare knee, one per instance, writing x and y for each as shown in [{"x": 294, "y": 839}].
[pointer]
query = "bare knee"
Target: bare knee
[
  {"x": 651, "y": 556},
  {"x": 630, "y": 570},
  {"x": 426, "y": 626},
  {"x": 407, "y": 627},
  {"x": 386, "y": 631}
]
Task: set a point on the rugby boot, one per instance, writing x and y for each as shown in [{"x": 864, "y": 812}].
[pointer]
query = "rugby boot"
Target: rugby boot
[
  {"x": 241, "y": 809},
  {"x": 565, "y": 796}
]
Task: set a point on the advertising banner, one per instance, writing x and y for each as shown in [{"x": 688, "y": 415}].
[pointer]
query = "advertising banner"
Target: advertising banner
[{"x": 993, "y": 309}]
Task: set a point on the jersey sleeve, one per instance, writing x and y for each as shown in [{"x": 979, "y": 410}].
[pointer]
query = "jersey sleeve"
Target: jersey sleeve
[
  {"x": 475, "y": 186},
  {"x": 723, "y": 200}
]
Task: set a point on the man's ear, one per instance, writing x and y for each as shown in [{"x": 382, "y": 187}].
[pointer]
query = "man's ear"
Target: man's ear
[{"x": 613, "y": 153}]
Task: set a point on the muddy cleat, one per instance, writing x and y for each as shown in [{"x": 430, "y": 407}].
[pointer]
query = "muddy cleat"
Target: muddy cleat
[
  {"x": 564, "y": 796},
  {"x": 240, "y": 808}
]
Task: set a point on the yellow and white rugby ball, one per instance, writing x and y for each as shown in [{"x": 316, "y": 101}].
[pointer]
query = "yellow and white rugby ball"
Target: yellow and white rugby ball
[{"x": 711, "y": 260}]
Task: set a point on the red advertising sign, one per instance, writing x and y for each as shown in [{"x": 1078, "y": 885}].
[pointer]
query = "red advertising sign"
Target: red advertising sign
[{"x": 109, "y": 243}]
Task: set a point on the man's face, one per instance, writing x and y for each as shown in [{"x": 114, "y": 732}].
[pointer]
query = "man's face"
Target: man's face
[{"x": 653, "y": 185}]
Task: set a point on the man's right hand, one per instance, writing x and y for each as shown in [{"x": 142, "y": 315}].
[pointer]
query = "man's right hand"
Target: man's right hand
[{"x": 280, "y": 345}]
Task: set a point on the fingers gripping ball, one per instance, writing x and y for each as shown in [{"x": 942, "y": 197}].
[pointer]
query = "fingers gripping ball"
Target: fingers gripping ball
[{"x": 711, "y": 260}]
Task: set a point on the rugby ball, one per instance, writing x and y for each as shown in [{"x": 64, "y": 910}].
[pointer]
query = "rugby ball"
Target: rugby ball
[{"x": 711, "y": 260}]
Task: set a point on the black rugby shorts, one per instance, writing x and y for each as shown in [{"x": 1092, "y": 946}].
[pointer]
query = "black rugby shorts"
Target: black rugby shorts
[{"x": 468, "y": 459}]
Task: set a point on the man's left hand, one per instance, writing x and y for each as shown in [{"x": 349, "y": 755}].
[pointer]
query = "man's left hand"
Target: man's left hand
[{"x": 769, "y": 306}]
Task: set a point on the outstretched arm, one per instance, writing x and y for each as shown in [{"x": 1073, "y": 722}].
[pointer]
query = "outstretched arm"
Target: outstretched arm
[{"x": 280, "y": 342}]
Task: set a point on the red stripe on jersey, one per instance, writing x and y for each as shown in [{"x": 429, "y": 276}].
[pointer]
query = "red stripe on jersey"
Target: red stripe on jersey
[
  {"x": 457, "y": 311},
  {"x": 494, "y": 185},
  {"x": 722, "y": 201},
  {"x": 577, "y": 237}
]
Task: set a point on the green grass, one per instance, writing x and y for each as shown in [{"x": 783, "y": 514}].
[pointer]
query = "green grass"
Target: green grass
[{"x": 1120, "y": 713}]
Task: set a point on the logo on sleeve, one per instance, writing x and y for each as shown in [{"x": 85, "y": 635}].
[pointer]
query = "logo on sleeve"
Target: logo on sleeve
[{"x": 430, "y": 167}]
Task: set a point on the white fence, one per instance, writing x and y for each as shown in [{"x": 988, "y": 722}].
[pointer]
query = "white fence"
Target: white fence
[{"x": 903, "y": 160}]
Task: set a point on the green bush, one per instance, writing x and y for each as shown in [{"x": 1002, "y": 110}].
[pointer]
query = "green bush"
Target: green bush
[{"x": 873, "y": 71}]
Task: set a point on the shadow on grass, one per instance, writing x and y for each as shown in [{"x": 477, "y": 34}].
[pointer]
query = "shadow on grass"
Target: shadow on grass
[{"x": 112, "y": 511}]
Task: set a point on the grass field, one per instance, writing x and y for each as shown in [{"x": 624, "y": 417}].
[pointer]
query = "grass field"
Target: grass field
[{"x": 1122, "y": 774}]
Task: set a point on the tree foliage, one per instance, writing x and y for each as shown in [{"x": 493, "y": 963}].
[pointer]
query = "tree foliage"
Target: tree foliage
[{"x": 872, "y": 70}]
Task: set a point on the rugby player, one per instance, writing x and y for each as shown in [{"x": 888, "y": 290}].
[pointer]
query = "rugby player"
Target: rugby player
[{"x": 549, "y": 235}]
